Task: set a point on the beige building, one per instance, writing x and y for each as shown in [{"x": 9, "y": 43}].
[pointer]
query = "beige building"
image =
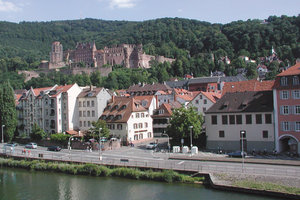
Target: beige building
[{"x": 241, "y": 116}]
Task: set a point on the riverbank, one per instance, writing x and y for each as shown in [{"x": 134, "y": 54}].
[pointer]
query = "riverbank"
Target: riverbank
[{"x": 168, "y": 176}]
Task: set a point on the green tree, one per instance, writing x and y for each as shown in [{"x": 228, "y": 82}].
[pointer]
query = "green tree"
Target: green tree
[
  {"x": 180, "y": 123},
  {"x": 251, "y": 71},
  {"x": 94, "y": 131},
  {"x": 37, "y": 133},
  {"x": 8, "y": 110}
]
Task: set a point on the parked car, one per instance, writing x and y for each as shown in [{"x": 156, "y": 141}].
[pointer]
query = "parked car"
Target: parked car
[
  {"x": 237, "y": 154},
  {"x": 11, "y": 144},
  {"x": 54, "y": 148},
  {"x": 31, "y": 145},
  {"x": 151, "y": 145}
]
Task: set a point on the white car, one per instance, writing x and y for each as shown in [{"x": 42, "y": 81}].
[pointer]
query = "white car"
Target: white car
[
  {"x": 31, "y": 145},
  {"x": 151, "y": 145}
]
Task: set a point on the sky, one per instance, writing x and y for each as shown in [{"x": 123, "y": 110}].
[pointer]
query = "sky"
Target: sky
[{"x": 213, "y": 11}]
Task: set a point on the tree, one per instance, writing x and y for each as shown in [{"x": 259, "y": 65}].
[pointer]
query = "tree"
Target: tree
[
  {"x": 8, "y": 110},
  {"x": 180, "y": 123},
  {"x": 251, "y": 71},
  {"x": 94, "y": 131},
  {"x": 37, "y": 133}
]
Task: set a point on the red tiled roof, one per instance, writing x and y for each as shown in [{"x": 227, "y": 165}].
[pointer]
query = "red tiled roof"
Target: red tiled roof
[
  {"x": 61, "y": 89},
  {"x": 251, "y": 85},
  {"x": 212, "y": 96},
  {"x": 147, "y": 98},
  {"x": 37, "y": 91},
  {"x": 294, "y": 70},
  {"x": 167, "y": 107}
]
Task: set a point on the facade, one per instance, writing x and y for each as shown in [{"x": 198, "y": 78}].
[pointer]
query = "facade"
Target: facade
[
  {"x": 91, "y": 103},
  {"x": 286, "y": 94},
  {"x": 128, "y": 119},
  {"x": 241, "y": 117},
  {"x": 51, "y": 108}
]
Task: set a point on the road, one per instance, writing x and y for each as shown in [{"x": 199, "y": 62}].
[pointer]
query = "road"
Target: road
[{"x": 141, "y": 157}]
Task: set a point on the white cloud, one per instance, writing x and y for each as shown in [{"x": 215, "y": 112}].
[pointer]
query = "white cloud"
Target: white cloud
[
  {"x": 122, "y": 3},
  {"x": 6, "y": 6}
]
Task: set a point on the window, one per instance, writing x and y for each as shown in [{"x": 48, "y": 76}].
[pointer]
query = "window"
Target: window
[
  {"x": 265, "y": 134},
  {"x": 204, "y": 109},
  {"x": 224, "y": 119},
  {"x": 119, "y": 127},
  {"x": 83, "y": 103},
  {"x": 295, "y": 80},
  {"x": 146, "y": 125},
  {"x": 79, "y": 103},
  {"x": 297, "y": 110},
  {"x": 135, "y": 126},
  {"x": 221, "y": 134},
  {"x": 142, "y": 115},
  {"x": 88, "y": 113},
  {"x": 284, "y": 110},
  {"x": 80, "y": 114},
  {"x": 137, "y": 115},
  {"x": 93, "y": 103},
  {"x": 297, "y": 126},
  {"x": 284, "y": 94},
  {"x": 88, "y": 103},
  {"x": 214, "y": 119},
  {"x": 268, "y": 118},
  {"x": 283, "y": 81},
  {"x": 93, "y": 113},
  {"x": 84, "y": 114},
  {"x": 248, "y": 119},
  {"x": 84, "y": 123},
  {"x": 89, "y": 124},
  {"x": 197, "y": 101},
  {"x": 200, "y": 96},
  {"x": 285, "y": 126},
  {"x": 205, "y": 101},
  {"x": 231, "y": 119},
  {"x": 140, "y": 125},
  {"x": 258, "y": 118},
  {"x": 80, "y": 123},
  {"x": 296, "y": 94},
  {"x": 239, "y": 119}
]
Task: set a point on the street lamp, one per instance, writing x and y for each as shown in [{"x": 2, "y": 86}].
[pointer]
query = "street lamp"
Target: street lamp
[
  {"x": 100, "y": 157},
  {"x": 2, "y": 140},
  {"x": 69, "y": 144},
  {"x": 191, "y": 128},
  {"x": 242, "y": 135},
  {"x": 168, "y": 140}
]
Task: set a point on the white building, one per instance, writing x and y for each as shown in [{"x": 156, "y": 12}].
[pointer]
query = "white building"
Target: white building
[
  {"x": 241, "y": 118},
  {"x": 91, "y": 103},
  {"x": 52, "y": 108},
  {"x": 128, "y": 119}
]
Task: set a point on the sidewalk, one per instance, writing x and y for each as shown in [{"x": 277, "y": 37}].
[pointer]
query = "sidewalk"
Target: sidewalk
[{"x": 180, "y": 156}]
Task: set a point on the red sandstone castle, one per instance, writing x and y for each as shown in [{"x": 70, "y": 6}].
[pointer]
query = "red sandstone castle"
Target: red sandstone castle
[{"x": 128, "y": 55}]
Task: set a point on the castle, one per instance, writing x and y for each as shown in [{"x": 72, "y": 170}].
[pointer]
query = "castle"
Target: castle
[{"x": 128, "y": 55}]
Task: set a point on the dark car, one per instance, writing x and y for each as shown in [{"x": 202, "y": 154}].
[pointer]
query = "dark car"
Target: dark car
[
  {"x": 54, "y": 148},
  {"x": 237, "y": 154}
]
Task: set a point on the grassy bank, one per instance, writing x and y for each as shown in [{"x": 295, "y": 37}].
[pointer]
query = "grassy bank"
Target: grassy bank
[
  {"x": 267, "y": 186},
  {"x": 168, "y": 176}
]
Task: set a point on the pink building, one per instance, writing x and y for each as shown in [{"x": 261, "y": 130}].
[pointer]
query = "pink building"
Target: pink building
[{"x": 286, "y": 92}]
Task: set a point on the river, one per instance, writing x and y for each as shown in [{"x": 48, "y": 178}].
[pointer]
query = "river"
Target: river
[{"x": 31, "y": 185}]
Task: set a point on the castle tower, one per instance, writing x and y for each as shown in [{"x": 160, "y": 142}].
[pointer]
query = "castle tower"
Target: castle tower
[{"x": 56, "y": 54}]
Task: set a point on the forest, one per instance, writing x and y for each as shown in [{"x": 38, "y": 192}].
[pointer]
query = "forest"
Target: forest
[{"x": 197, "y": 46}]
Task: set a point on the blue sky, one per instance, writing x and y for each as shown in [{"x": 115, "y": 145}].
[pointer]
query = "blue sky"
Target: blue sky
[{"x": 214, "y": 11}]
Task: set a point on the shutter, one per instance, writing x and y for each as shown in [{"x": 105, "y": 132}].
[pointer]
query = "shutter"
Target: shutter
[
  {"x": 281, "y": 110},
  {"x": 292, "y": 108},
  {"x": 281, "y": 126},
  {"x": 280, "y": 94}
]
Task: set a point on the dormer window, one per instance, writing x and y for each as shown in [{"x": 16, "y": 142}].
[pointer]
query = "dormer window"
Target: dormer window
[
  {"x": 295, "y": 80},
  {"x": 283, "y": 81},
  {"x": 161, "y": 111}
]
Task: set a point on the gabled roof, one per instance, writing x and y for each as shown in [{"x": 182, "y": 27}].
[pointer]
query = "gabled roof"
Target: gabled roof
[
  {"x": 251, "y": 85},
  {"x": 60, "y": 89},
  {"x": 119, "y": 110},
  {"x": 212, "y": 96},
  {"x": 37, "y": 91},
  {"x": 167, "y": 108},
  {"x": 294, "y": 70},
  {"x": 142, "y": 99},
  {"x": 253, "y": 101}
]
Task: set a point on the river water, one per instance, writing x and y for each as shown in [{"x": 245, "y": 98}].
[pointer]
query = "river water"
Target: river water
[{"x": 21, "y": 184}]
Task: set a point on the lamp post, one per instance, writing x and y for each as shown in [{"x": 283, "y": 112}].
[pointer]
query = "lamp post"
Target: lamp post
[
  {"x": 100, "y": 156},
  {"x": 69, "y": 144},
  {"x": 191, "y": 128},
  {"x": 2, "y": 140},
  {"x": 168, "y": 140},
  {"x": 242, "y": 135}
]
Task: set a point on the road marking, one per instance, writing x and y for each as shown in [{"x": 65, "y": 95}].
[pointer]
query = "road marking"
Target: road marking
[{"x": 180, "y": 162}]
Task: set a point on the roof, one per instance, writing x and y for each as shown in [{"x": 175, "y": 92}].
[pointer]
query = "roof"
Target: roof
[
  {"x": 212, "y": 96},
  {"x": 167, "y": 107},
  {"x": 294, "y": 70},
  {"x": 253, "y": 101},
  {"x": 148, "y": 87},
  {"x": 251, "y": 85},
  {"x": 60, "y": 89},
  {"x": 89, "y": 92},
  {"x": 217, "y": 79},
  {"x": 177, "y": 84},
  {"x": 147, "y": 99},
  {"x": 37, "y": 91},
  {"x": 119, "y": 110}
]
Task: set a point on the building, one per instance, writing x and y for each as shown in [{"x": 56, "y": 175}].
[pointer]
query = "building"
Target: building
[
  {"x": 54, "y": 109},
  {"x": 128, "y": 119},
  {"x": 91, "y": 103},
  {"x": 286, "y": 94},
  {"x": 147, "y": 89},
  {"x": 161, "y": 117},
  {"x": 203, "y": 101},
  {"x": 241, "y": 118}
]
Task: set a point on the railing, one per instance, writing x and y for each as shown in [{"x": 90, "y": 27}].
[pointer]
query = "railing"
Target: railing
[{"x": 82, "y": 157}]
